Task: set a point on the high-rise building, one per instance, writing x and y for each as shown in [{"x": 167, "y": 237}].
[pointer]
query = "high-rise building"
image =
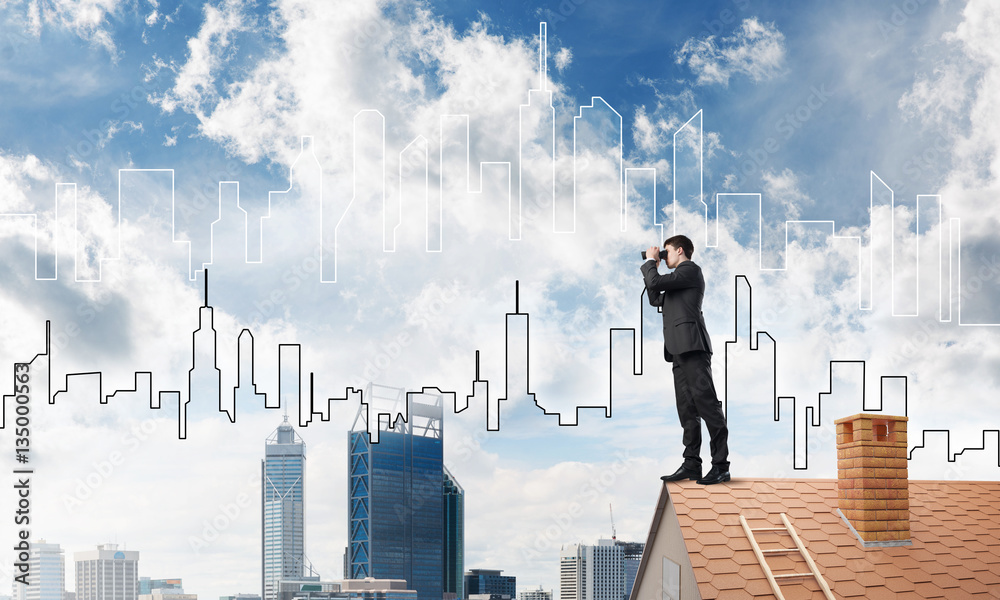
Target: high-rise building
[
  {"x": 490, "y": 583},
  {"x": 283, "y": 489},
  {"x": 398, "y": 495},
  {"x": 107, "y": 573},
  {"x": 603, "y": 572},
  {"x": 454, "y": 536},
  {"x": 631, "y": 557},
  {"x": 46, "y": 573},
  {"x": 592, "y": 572}
]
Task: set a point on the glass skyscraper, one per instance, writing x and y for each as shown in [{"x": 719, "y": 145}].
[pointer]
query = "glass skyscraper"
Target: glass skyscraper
[
  {"x": 398, "y": 497},
  {"x": 454, "y": 536},
  {"x": 631, "y": 557},
  {"x": 283, "y": 510},
  {"x": 491, "y": 582}
]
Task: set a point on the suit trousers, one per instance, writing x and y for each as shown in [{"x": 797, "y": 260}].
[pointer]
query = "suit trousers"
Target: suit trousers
[{"x": 697, "y": 400}]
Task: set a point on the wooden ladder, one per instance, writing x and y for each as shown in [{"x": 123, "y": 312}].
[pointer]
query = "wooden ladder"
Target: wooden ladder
[{"x": 799, "y": 547}]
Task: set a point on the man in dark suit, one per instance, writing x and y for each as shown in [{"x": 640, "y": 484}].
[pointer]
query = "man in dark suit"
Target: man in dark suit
[{"x": 686, "y": 344}]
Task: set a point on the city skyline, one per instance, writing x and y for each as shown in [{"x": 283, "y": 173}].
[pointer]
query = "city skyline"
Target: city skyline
[
  {"x": 286, "y": 451},
  {"x": 283, "y": 502}
]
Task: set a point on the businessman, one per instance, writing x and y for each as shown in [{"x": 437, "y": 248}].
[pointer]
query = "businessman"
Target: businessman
[{"x": 687, "y": 346}]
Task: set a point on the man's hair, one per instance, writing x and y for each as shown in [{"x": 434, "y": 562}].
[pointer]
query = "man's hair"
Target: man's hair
[{"x": 680, "y": 241}]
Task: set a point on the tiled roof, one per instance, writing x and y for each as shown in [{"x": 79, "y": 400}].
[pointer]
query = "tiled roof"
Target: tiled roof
[{"x": 955, "y": 534}]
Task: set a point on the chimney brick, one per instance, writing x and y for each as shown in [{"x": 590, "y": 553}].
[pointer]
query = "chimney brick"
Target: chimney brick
[{"x": 872, "y": 477}]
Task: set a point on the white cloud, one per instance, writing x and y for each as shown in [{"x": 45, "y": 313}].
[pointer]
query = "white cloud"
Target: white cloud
[
  {"x": 194, "y": 85},
  {"x": 652, "y": 135},
  {"x": 653, "y": 130},
  {"x": 784, "y": 189},
  {"x": 424, "y": 69},
  {"x": 563, "y": 58},
  {"x": 938, "y": 97},
  {"x": 757, "y": 50},
  {"x": 958, "y": 99},
  {"x": 19, "y": 176},
  {"x": 115, "y": 127},
  {"x": 88, "y": 19}
]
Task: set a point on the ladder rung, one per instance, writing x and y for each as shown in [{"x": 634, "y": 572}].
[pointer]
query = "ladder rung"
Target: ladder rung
[{"x": 799, "y": 546}]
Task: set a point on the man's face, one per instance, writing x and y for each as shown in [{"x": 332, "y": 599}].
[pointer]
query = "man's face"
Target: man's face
[{"x": 672, "y": 256}]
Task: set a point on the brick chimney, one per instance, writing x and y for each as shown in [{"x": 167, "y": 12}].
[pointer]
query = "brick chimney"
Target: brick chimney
[{"x": 872, "y": 487}]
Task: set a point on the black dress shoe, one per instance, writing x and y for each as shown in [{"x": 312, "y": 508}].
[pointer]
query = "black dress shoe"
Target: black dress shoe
[
  {"x": 683, "y": 473},
  {"x": 715, "y": 475}
]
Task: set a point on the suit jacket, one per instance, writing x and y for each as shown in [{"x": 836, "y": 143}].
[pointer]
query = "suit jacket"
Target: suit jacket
[{"x": 679, "y": 294}]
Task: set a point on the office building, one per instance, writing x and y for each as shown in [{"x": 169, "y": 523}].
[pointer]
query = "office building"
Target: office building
[
  {"x": 46, "y": 573},
  {"x": 592, "y": 572},
  {"x": 241, "y": 596},
  {"x": 283, "y": 489},
  {"x": 606, "y": 571},
  {"x": 454, "y": 537},
  {"x": 533, "y": 594},
  {"x": 398, "y": 495},
  {"x": 147, "y": 585},
  {"x": 490, "y": 584},
  {"x": 107, "y": 573},
  {"x": 631, "y": 557}
]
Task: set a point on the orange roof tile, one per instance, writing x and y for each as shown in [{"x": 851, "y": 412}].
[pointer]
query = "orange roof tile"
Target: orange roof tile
[{"x": 954, "y": 551}]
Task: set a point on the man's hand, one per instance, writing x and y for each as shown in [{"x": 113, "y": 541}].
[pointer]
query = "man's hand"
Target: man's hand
[{"x": 653, "y": 254}]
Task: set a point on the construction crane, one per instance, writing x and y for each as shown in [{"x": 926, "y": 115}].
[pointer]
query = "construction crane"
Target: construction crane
[{"x": 614, "y": 535}]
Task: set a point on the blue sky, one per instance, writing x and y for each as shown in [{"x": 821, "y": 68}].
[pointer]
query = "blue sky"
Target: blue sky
[{"x": 797, "y": 102}]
